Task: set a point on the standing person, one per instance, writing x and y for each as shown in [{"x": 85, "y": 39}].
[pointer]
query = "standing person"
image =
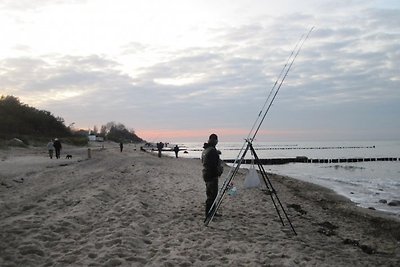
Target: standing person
[
  {"x": 212, "y": 169},
  {"x": 160, "y": 146},
  {"x": 176, "y": 150},
  {"x": 121, "y": 146},
  {"x": 57, "y": 147},
  {"x": 50, "y": 148}
]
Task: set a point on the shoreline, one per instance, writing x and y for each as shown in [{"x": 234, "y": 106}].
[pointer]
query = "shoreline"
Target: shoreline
[
  {"x": 134, "y": 209},
  {"x": 386, "y": 212}
]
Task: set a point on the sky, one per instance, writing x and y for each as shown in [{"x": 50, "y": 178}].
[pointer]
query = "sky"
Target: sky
[{"x": 179, "y": 70}]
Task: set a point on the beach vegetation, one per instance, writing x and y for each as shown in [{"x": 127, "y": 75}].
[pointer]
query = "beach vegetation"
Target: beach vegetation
[
  {"x": 23, "y": 125},
  {"x": 118, "y": 132},
  {"x": 24, "y": 122}
]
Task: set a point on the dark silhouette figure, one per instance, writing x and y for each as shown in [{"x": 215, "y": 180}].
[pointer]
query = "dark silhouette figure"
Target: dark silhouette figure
[
  {"x": 176, "y": 150},
  {"x": 121, "y": 146},
  {"x": 212, "y": 170},
  {"x": 57, "y": 147},
  {"x": 160, "y": 146}
]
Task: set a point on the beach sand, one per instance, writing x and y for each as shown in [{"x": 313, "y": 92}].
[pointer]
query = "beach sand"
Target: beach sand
[{"x": 135, "y": 209}]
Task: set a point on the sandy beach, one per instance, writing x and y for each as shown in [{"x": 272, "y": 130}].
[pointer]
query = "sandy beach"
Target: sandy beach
[{"x": 135, "y": 209}]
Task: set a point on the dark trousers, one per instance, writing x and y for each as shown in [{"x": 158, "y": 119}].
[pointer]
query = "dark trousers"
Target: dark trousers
[
  {"x": 58, "y": 153},
  {"x": 212, "y": 192}
]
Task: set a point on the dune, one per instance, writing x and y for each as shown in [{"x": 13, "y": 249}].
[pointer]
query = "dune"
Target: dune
[{"x": 135, "y": 209}]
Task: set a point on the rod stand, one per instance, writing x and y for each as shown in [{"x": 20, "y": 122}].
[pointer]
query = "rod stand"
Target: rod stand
[{"x": 270, "y": 188}]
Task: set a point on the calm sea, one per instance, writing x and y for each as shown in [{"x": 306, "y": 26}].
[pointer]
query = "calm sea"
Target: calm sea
[{"x": 366, "y": 183}]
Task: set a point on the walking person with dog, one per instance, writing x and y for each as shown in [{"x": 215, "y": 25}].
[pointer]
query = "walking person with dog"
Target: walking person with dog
[
  {"x": 57, "y": 146},
  {"x": 50, "y": 148}
]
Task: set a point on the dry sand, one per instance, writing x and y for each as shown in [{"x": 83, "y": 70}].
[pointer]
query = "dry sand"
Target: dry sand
[{"x": 135, "y": 209}]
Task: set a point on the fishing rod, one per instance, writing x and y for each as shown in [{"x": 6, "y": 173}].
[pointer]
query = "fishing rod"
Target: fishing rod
[
  {"x": 274, "y": 86},
  {"x": 242, "y": 153},
  {"x": 238, "y": 158},
  {"x": 283, "y": 79},
  {"x": 269, "y": 96}
]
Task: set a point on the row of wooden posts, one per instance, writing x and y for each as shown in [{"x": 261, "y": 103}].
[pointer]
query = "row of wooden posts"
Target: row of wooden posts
[{"x": 273, "y": 161}]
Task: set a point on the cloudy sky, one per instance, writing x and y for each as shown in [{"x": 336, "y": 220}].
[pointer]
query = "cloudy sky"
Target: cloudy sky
[{"x": 178, "y": 70}]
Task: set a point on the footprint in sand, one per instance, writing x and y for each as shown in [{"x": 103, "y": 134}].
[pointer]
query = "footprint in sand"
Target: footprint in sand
[
  {"x": 30, "y": 249},
  {"x": 113, "y": 262},
  {"x": 28, "y": 207},
  {"x": 92, "y": 255}
]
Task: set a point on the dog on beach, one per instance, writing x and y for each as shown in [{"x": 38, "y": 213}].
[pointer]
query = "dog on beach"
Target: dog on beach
[{"x": 68, "y": 156}]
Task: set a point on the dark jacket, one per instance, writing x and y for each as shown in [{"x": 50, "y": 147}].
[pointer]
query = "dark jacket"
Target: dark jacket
[
  {"x": 57, "y": 145},
  {"x": 212, "y": 167}
]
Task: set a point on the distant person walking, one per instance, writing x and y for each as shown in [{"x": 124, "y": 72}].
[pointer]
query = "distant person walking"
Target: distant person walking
[
  {"x": 160, "y": 146},
  {"x": 50, "y": 148},
  {"x": 212, "y": 170},
  {"x": 57, "y": 147},
  {"x": 121, "y": 146},
  {"x": 176, "y": 150}
]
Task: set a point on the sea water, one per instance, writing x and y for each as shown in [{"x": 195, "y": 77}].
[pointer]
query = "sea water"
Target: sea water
[{"x": 368, "y": 184}]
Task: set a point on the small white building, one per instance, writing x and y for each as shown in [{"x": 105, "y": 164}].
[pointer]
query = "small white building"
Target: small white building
[{"x": 93, "y": 137}]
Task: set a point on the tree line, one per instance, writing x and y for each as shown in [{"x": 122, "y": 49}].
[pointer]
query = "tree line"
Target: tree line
[
  {"x": 116, "y": 132},
  {"x": 18, "y": 120}
]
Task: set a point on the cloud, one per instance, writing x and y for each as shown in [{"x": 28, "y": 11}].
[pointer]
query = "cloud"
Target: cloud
[
  {"x": 350, "y": 63},
  {"x": 26, "y": 5},
  {"x": 62, "y": 78}
]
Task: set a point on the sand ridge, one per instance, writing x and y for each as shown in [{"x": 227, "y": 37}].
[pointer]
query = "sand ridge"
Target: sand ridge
[{"x": 135, "y": 209}]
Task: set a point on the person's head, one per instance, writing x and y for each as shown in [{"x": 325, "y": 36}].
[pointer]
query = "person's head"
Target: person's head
[{"x": 213, "y": 139}]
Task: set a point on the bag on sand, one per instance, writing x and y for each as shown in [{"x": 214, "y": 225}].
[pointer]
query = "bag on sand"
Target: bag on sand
[{"x": 252, "y": 178}]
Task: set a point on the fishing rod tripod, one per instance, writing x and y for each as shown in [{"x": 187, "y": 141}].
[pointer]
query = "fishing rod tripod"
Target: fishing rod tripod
[
  {"x": 252, "y": 135},
  {"x": 269, "y": 187}
]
